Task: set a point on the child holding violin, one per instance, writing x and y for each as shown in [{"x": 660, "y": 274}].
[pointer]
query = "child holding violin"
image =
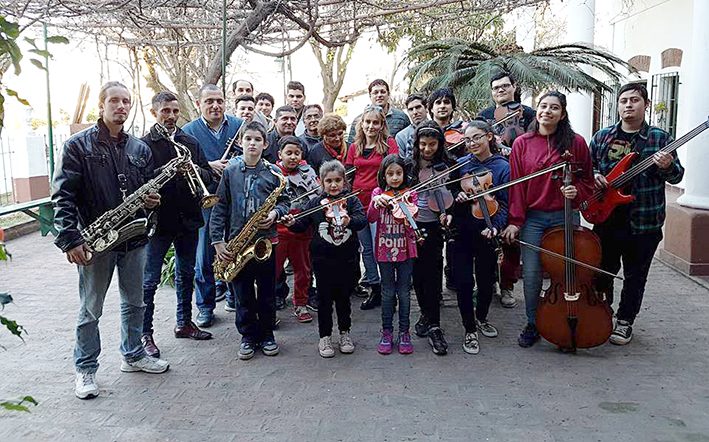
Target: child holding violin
[
  {"x": 372, "y": 143},
  {"x": 296, "y": 246},
  {"x": 538, "y": 204},
  {"x": 335, "y": 253},
  {"x": 393, "y": 208},
  {"x": 477, "y": 222},
  {"x": 430, "y": 158}
]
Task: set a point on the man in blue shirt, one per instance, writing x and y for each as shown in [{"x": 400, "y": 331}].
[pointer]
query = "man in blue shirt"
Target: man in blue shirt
[
  {"x": 214, "y": 130},
  {"x": 379, "y": 94}
]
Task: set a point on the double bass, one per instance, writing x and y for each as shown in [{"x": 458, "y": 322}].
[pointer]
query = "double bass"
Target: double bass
[{"x": 571, "y": 313}]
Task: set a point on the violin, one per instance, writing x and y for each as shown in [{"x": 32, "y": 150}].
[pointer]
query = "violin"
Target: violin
[
  {"x": 571, "y": 313},
  {"x": 509, "y": 117},
  {"x": 334, "y": 212},
  {"x": 455, "y": 138},
  {"x": 403, "y": 209},
  {"x": 484, "y": 207}
]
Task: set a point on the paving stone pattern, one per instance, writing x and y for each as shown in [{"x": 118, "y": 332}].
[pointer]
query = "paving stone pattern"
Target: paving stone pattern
[{"x": 655, "y": 389}]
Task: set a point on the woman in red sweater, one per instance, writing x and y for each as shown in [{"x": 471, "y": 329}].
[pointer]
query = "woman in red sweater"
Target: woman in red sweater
[
  {"x": 372, "y": 143},
  {"x": 538, "y": 204}
]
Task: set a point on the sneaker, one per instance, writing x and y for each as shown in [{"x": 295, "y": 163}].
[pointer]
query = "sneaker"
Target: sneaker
[
  {"x": 346, "y": 344},
  {"x": 86, "y": 387},
  {"x": 325, "y": 347},
  {"x": 270, "y": 347},
  {"x": 220, "y": 293},
  {"x": 360, "y": 291},
  {"x": 487, "y": 329},
  {"x": 506, "y": 299},
  {"x": 147, "y": 364},
  {"x": 405, "y": 346},
  {"x": 246, "y": 350},
  {"x": 280, "y": 303},
  {"x": 230, "y": 305},
  {"x": 302, "y": 315},
  {"x": 312, "y": 304},
  {"x": 422, "y": 326},
  {"x": 622, "y": 333},
  {"x": 384, "y": 347},
  {"x": 471, "y": 344},
  {"x": 437, "y": 341},
  {"x": 529, "y": 336},
  {"x": 204, "y": 319}
]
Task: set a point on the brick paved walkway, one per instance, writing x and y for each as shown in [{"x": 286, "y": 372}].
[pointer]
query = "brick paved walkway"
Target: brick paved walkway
[{"x": 654, "y": 389}]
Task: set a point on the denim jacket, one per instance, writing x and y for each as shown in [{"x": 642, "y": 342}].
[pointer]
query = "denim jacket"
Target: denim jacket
[
  {"x": 86, "y": 182},
  {"x": 242, "y": 191}
]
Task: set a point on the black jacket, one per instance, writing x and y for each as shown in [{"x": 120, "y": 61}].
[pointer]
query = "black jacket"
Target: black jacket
[
  {"x": 328, "y": 249},
  {"x": 86, "y": 182},
  {"x": 179, "y": 210}
]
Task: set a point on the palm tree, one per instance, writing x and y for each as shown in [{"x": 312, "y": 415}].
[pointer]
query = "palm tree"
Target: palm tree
[{"x": 468, "y": 67}]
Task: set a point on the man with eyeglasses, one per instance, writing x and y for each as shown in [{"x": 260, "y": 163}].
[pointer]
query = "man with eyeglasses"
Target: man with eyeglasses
[
  {"x": 507, "y": 96},
  {"x": 379, "y": 94}
]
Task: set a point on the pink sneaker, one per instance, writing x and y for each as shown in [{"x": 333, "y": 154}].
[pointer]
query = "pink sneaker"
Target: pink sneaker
[
  {"x": 405, "y": 346},
  {"x": 384, "y": 347}
]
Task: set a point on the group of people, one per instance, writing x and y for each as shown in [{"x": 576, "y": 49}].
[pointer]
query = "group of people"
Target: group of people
[{"x": 399, "y": 195}]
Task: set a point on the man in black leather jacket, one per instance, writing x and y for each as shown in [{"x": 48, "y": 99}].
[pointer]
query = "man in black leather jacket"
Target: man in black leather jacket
[
  {"x": 99, "y": 167},
  {"x": 179, "y": 220}
]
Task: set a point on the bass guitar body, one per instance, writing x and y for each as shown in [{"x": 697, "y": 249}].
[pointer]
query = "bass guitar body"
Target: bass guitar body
[
  {"x": 598, "y": 210},
  {"x": 571, "y": 313}
]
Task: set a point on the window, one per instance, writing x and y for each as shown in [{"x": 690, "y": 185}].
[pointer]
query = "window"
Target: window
[
  {"x": 606, "y": 107},
  {"x": 663, "y": 101}
]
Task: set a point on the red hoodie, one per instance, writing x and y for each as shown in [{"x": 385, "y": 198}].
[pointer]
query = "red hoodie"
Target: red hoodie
[{"x": 532, "y": 152}]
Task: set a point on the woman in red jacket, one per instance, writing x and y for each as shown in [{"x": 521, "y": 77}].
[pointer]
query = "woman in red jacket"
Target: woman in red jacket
[
  {"x": 538, "y": 204},
  {"x": 372, "y": 143}
]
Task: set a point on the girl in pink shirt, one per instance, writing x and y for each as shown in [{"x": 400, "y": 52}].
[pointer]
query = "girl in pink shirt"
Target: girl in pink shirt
[{"x": 395, "y": 250}]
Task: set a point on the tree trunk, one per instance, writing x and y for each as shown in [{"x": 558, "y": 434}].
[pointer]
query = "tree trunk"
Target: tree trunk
[{"x": 253, "y": 21}]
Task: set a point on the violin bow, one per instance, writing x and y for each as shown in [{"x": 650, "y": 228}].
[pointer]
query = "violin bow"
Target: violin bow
[
  {"x": 312, "y": 191},
  {"x": 324, "y": 206},
  {"x": 571, "y": 260}
]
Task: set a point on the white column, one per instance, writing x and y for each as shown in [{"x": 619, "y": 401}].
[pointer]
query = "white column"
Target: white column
[
  {"x": 696, "y": 178},
  {"x": 579, "y": 28}
]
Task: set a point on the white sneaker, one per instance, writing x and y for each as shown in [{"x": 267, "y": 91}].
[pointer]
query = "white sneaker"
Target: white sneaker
[
  {"x": 346, "y": 344},
  {"x": 86, "y": 387},
  {"x": 147, "y": 364},
  {"x": 506, "y": 298},
  {"x": 488, "y": 330},
  {"x": 471, "y": 344},
  {"x": 622, "y": 333},
  {"x": 325, "y": 347}
]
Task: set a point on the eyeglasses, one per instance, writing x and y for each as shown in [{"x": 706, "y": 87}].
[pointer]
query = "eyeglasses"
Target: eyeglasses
[
  {"x": 334, "y": 135},
  {"x": 476, "y": 139},
  {"x": 502, "y": 87}
]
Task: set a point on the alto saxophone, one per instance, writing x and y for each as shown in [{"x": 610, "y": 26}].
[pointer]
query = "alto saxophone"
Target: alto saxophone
[
  {"x": 110, "y": 229},
  {"x": 241, "y": 245}
]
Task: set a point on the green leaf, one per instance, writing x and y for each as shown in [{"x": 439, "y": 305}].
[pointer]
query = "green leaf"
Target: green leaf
[
  {"x": 31, "y": 41},
  {"x": 15, "y": 328},
  {"x": 58, "y": 39},
  {"x": 41, "y": 52},
  {"x": 38, "y": 63},
  {"x": 21, "y": 100},
  {"x": 17, "y": 405}
]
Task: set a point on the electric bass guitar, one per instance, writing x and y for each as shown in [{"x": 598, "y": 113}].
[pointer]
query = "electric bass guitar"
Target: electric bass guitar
[{"x": 600, "y": 205}]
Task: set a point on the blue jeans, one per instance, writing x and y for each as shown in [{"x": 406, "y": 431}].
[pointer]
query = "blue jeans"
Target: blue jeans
[
  {"x": 205, "y": 288},
  {"x": 535, "y": 225},
  {"x": 396, "y": 280},
  {"x": 366, "y": 240},
  {"x": 185, "y": 250},
  {"x": 94, "y": 281}
]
